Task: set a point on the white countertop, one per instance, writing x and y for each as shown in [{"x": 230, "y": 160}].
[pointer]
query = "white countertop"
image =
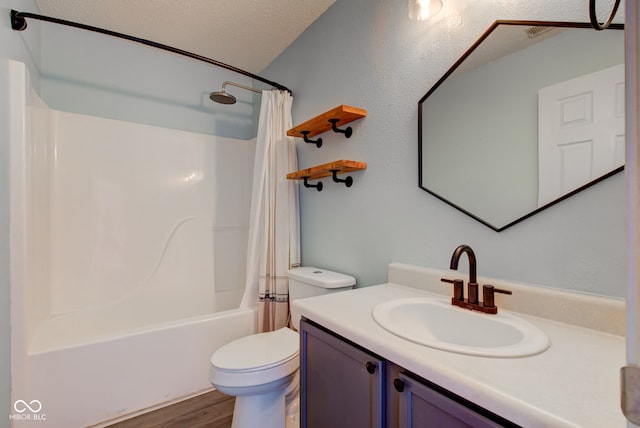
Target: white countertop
[{"x": 574, "y": 383}]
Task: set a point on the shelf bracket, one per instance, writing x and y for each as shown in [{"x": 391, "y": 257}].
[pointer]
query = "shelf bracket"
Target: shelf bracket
[
  {"x": 347, "y": 181},
  {"x": 331, "y": 169},
  {"x": 317, "y": 142},
  {"x": 347, "y": 131},
  {"x": 317, "y": 186}
]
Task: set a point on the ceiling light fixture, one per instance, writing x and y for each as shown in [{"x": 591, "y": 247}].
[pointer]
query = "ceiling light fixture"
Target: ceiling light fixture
[{"x": 421, "y": 10}]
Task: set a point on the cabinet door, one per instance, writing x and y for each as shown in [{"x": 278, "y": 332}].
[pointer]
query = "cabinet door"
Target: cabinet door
[
  {"x": 341, "y": 385},
  {"x": 424, "y": 407}
]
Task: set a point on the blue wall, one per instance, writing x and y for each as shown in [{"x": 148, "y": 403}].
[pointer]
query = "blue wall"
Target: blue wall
[
  {"x": 98, "y": 75},
  {"x": 366, "y": 53}
]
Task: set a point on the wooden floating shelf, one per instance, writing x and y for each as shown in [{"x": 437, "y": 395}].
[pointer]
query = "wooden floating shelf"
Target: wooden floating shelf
[
  {"x": 326, "y": 170},
  {"x": 320, "y": 124}
]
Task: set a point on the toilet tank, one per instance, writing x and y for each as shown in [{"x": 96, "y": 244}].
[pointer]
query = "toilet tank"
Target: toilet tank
[{"x": 309, "y": 281}]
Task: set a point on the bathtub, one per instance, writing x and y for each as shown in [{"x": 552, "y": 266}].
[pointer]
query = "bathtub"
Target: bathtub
[
  {"x": 85, "y": 384},
  {"x": 128, "y": 249}
]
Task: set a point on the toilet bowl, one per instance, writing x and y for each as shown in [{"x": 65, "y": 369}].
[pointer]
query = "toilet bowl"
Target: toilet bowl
[
  {"x": 257, "y": 370},
  {"x": 261, "y": 370}
]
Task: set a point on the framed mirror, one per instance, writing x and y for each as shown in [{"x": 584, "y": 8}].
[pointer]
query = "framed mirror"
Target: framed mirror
[{"x": 530, "y": 115}]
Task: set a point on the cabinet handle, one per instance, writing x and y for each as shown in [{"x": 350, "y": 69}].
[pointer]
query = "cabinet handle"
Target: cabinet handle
[
  {"x": 398, "y": 385},
  {"x": 371, "y": 367}
]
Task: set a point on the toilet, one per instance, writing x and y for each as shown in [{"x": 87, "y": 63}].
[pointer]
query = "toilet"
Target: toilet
[{"x": 261, "y": 370}]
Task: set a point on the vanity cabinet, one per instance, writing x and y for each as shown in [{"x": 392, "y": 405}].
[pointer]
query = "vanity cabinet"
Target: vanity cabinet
[
  {"x": 341, "y": 385},
  {"x": 344, "y": 385},
  {"x": 421, "y": 405}
]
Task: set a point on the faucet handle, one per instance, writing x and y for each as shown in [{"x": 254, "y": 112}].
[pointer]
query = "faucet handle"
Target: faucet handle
[
  {"x": 458, "y": 293},
  {"x": 488, "y": 291}
]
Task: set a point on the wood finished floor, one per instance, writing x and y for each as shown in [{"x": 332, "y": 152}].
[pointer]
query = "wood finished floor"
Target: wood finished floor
[{"x": 210, "y": 410}]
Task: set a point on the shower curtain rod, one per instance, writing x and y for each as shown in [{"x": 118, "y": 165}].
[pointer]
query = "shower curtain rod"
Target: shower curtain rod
[{"x": 19, "y": 23}]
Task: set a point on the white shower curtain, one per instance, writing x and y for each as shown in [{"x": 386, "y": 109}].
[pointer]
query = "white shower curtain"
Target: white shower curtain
[{"x": 274, "y": 225}]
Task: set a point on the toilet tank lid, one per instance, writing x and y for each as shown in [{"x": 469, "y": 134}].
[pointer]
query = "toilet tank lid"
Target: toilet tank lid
[{"x": 321, "y": 277}]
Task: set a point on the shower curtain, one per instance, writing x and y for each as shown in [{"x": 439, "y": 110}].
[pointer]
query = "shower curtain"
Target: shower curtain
[{"x": 274, "y": 225}]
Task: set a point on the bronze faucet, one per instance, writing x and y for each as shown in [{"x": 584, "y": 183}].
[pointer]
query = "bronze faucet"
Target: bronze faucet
[
  {"x": 487, "y": 305},
  {"x": 472, "y": 285}
]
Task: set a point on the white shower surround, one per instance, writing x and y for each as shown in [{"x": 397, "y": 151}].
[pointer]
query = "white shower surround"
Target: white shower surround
[{"x": 128, "y": 250}]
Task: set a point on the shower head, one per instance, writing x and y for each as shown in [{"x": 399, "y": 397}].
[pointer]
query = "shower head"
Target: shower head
[{"x": 223, "y": 97}]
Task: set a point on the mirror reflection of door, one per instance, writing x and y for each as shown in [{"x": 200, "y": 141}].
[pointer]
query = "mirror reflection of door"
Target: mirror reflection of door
[
  {"x": 478, "y": 126},
  {"x": 580, "y": 131}
]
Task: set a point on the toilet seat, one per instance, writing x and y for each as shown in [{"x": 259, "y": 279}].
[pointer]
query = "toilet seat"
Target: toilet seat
[{"x": 256, "y": 359}]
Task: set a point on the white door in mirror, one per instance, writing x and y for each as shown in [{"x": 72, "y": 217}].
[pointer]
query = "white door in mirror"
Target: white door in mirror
[{"x": 580, "y": 131}]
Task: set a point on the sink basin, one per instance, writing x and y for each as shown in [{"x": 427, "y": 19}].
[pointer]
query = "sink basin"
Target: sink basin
[{"x": 436, "y": 323}]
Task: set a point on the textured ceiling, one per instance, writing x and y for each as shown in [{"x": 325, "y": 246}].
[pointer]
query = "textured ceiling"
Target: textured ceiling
[{"x": 247, "y": 34}]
